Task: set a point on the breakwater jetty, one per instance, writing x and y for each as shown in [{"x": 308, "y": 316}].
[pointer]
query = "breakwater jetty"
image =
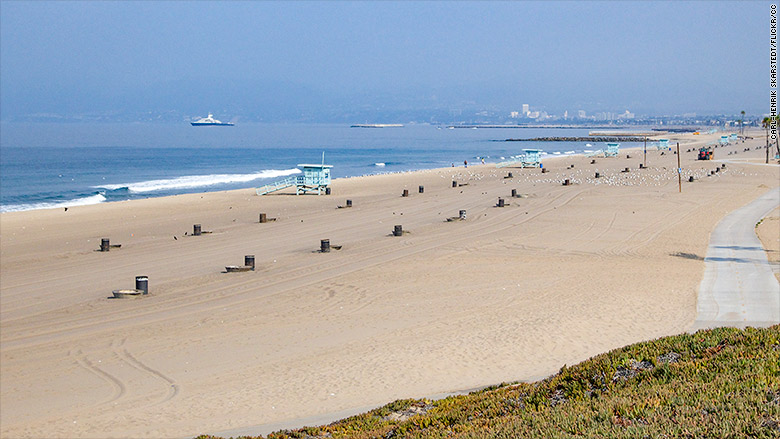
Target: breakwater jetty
[
  {"x": 628, "y": 133},
  {"x": 377, "y": 125},
  {"x": 576, "y": 127},
  {"x": 581, "y": 139}
]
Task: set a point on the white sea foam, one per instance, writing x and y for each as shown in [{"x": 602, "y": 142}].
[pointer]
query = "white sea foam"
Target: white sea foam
[
  {"x": 92, "y": 199},
  {"x": 379, "y": 164},
  {"x": 196, "y": 181}
]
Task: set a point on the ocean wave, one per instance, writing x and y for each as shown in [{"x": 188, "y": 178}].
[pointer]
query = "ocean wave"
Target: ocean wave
[
  {"x": 196, "y": 181},
  {"x": 83, "y": 201},
  {"x": 383, "y": 164}
]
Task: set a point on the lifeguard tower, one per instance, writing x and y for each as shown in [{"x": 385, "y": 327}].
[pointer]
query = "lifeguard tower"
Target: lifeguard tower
[
  {"x": 612, "y": 150},
  {"x": 733, "y": 137},
  {"x": 532, "y": 158},
  {"x": 315, "y": 178},
  {"x": 724, "y": 140},
  {"x": 663, "y": 144}
]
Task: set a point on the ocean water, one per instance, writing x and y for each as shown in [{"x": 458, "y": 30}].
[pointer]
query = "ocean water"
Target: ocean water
[{"x": 60, "y": 165}]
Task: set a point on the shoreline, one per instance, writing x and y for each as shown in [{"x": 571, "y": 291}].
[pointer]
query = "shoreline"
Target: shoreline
[
  {"x": 94, "y": 199},
  {"x": 597, "y": 139},
  {"x": 448, "y": 305}
]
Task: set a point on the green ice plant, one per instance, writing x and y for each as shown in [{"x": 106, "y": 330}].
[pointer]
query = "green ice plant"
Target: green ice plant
[{"x": 722, "y": 382}]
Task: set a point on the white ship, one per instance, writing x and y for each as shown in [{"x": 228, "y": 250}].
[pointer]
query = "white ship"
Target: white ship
[{"x": 210, "y": 121}]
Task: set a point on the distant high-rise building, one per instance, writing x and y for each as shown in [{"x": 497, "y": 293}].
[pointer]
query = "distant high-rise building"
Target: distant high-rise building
[
  {"x": 514, "y": 115},
  {"x": 566, "y": 114},
  {"x": 581, "y": 114},
  {"x": 525, "y": 109}
]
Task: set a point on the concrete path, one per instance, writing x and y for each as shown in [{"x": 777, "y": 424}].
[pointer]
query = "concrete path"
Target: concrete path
[{"x": 739, "y": 288}]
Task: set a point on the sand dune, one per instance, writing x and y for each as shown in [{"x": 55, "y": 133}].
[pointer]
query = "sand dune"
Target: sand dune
[{"x": 559, "y": 275}]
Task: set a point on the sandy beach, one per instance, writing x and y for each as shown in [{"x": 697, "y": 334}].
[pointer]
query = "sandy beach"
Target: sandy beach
[{"x": 558, "y": 275}]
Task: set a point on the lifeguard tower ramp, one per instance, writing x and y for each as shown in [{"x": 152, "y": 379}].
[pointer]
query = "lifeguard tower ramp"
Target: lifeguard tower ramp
[
  {"x": 531, "y": 158},
  {"x": 512, "y": 161},
  {"x": 611, "y": 151},
  {"x": 315, "y": 178}
]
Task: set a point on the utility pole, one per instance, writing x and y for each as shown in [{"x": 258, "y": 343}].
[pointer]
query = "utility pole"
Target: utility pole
[
  {"x": 679, "y": 168},
  {"x": 644, "y": 161}
]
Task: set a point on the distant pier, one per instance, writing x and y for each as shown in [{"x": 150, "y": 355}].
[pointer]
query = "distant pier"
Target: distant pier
[{"x": 377, "y": 125}]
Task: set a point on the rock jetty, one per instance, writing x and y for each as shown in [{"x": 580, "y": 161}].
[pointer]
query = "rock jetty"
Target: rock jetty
[{"x": 581, "y": 139}]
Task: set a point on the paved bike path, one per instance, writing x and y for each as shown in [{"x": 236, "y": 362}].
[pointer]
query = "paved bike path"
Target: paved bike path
[{"x": 739, "y": 288}]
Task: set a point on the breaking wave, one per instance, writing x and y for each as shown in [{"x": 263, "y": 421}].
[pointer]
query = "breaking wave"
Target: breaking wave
[
  {"x": 196, "y": 181},
  {"x": 82, "y": 201}
]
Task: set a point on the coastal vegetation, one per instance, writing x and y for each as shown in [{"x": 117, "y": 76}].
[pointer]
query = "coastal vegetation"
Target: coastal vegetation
[{"x": 722, "y": 382}]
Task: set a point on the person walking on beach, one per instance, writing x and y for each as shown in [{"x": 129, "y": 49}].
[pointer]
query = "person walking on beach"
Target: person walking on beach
[{"x": 465, "y": 164}]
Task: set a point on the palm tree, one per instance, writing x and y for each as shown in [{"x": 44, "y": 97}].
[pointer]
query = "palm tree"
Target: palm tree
[
  {"x": 742, "y": 124},
  {"x": 766, "y": 123}
]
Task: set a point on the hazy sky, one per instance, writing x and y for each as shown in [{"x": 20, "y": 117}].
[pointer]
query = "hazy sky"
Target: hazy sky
[{"x": 650, "y": 57}]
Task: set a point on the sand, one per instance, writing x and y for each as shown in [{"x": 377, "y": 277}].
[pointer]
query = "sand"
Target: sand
[
  {"x": 768, "y": 231},
  {"x": 513, "y": 293}
]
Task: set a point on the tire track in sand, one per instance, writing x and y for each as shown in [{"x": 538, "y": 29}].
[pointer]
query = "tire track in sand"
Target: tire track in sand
[
  {"x": 124, "y": 355},
  {"x": 119, "y": 387}
]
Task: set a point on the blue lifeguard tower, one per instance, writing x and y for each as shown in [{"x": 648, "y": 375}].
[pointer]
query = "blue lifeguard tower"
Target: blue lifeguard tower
[
  {"x": 612, "y": 150},
  {"x": 724, "y": 140},
  {"x": 733, "y": 137},
  {"x": 663, "y": 144},
  {"x": 315, "y": 178},
  {"x": 532, "y": 158}
]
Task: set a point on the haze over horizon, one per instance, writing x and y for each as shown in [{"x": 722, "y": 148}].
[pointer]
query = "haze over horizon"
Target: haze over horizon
[{"x": 290, "y": 61}]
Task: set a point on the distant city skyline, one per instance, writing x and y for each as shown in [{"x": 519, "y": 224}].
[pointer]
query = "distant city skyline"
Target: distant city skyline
[{"x": 349, "y": 61}]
